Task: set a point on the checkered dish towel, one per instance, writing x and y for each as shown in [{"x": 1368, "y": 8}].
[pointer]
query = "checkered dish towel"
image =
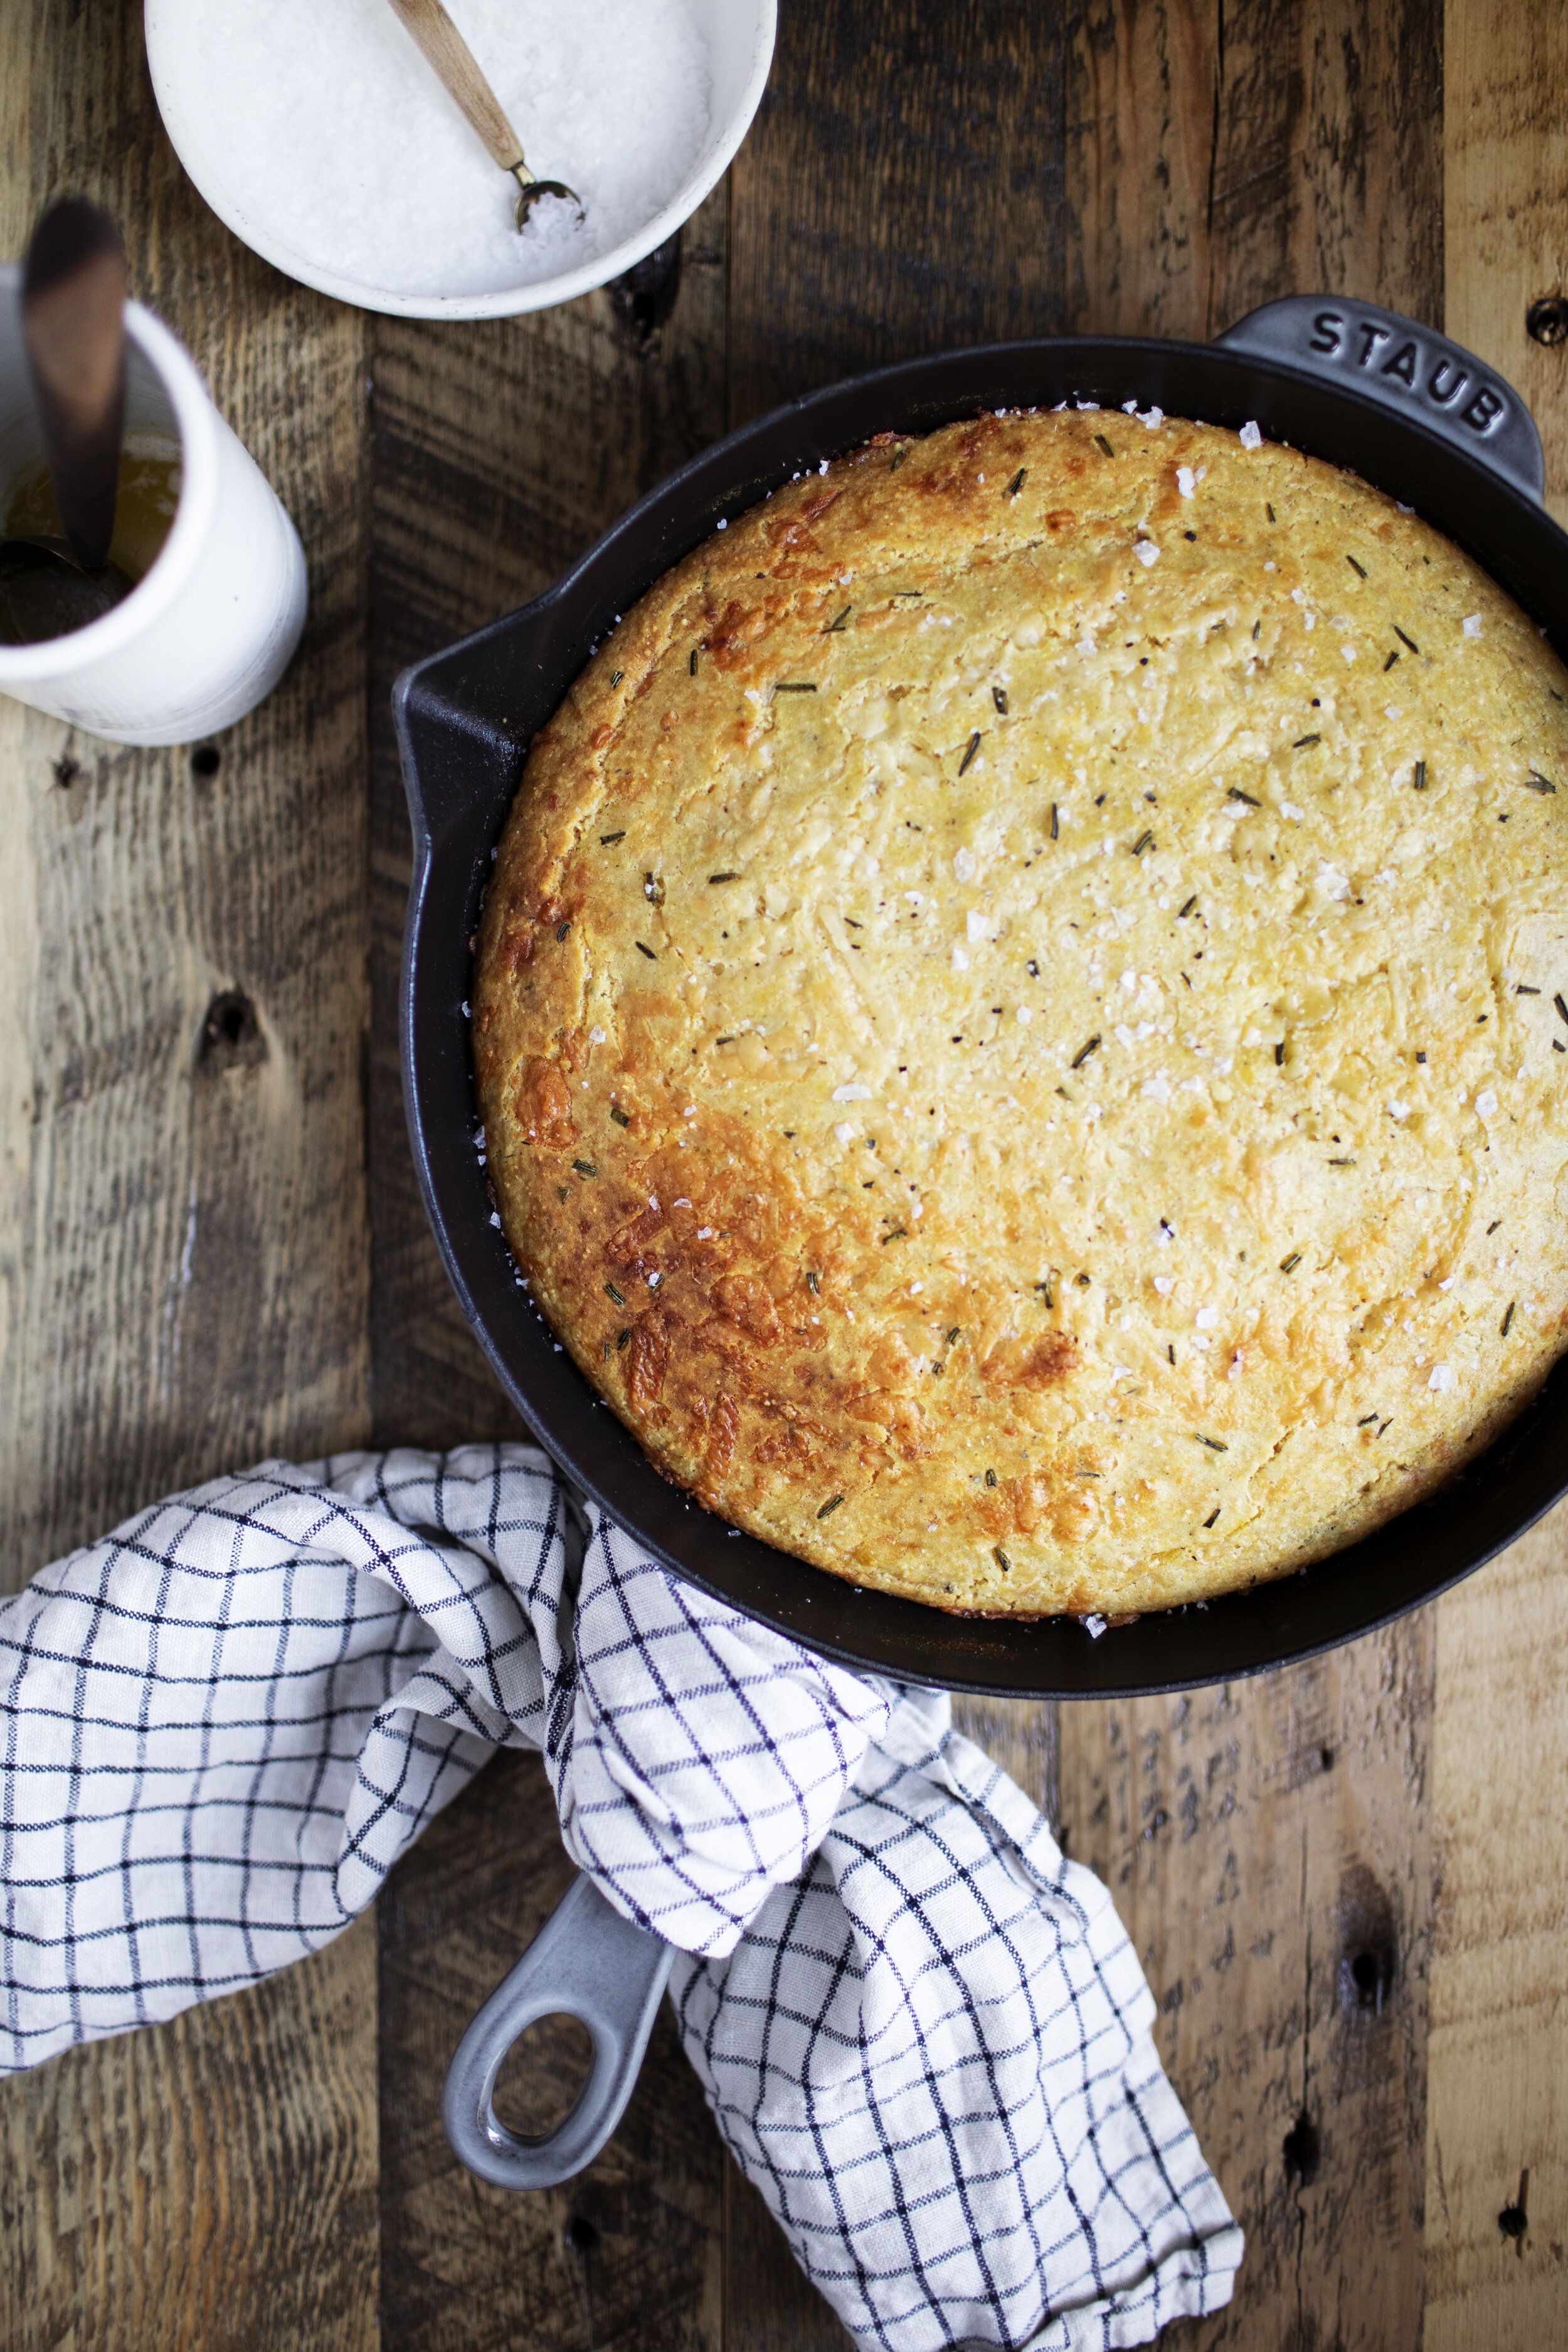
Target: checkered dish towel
[{"x": 923, "y": 2032}]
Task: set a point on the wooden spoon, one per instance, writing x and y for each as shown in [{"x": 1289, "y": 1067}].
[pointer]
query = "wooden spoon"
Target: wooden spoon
[
  {"x": 458, "y": 69},
  {"x": 73, "y": 300}
]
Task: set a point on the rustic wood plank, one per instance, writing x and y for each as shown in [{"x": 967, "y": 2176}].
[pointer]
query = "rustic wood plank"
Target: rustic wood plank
[
  {"x": 185, "y": 1243},
  {"x": 628, "y": 2254},
  {"x": 205, "y": 2185},
  {"x": 498, "y": 452},
  {"x": 1498, "y": 2081},
  {"x": 901, "y": 191},
  {"x": 1265, "y": 1846},
  {"x": 1264, "y": 1839},
  {"x": 1220, "y": 157}
]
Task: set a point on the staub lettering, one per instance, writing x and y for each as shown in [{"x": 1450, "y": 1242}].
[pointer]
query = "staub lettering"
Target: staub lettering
[{"x": 1363, "y": 344}]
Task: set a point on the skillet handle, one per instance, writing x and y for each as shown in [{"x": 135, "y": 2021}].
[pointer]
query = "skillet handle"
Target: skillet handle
[
  {"x": 1406, "y": 367},
  {"x": 590, "y": 1963}
]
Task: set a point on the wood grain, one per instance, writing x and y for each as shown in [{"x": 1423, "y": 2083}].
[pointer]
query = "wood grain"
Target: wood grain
[
  {"x": 902, "y": 190},
  {"x": 1218, "y": 157},
  {"x": 1265, "y": 1845},
  {"x": 1497, "y": 2056},
  {"x": 184, "y": 1242}
]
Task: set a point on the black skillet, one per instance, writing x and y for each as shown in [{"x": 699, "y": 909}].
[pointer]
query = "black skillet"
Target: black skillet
[{"x": 1366, "y": 389}]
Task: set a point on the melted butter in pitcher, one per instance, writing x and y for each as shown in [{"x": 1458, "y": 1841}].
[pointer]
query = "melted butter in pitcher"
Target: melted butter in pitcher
[{"x": 150, "y": 475}]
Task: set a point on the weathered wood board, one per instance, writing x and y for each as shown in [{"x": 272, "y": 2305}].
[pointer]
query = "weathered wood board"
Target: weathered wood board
[
  {"x": 1497, "y": 2180},
  {"x": 184, "y": 1241}
]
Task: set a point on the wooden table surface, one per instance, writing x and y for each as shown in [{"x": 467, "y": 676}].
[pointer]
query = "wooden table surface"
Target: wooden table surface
[{"x": 1346, "y": 1880}]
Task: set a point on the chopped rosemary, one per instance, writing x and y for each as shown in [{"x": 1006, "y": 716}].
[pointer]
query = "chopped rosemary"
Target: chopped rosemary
[
  {"x": 1279, "y": 1054},
  {"x": 1001, "y": 1558},
  {"x": 611, "y": 1292},
  {"x": 1269, "y": 509},
  {"x": 616, "y": 676},
  {"x": 1212, "y": 1516},
  {"x": 647, "y": 952},
  {"x": 1494, "y": 1224},
  {"x": 1392, "y": 657},
  {"x": 830, "y": 1507},
  {"x": 728, "y": 1040},
  {"x": 1536, "y": 782},
  {"x": 1054, "y": 826},
  {"x": 795, "y": 685},
  {"x": 562, "y": 929},
  {"x": 1420, "y": 1056},
  {"x": 1418, "y": 776},
  {"x": 1364, "y": 1419},
  {"x": 1144, "y": 841},
  {"x": 938, "y": 1368},
  {"x": 973, "y": 747},
  {"x": 1257, "y": 629},
  {"x": 897, "y": 1234},
  {"x": 723, "y": 877},
  {"x": 624, "y": 1336},
  {"x": 954, "y": 1335},
  {"x": 1046, "y": 1290},
  {"x": 1016, "y": 484},
  {"x": 1523, "y": 990},
  {"x": 1214, "y": 1445},
  {"x": 1081, "y": 1057},
  {"x": 585, "y": 1168},
  {"x": 1355, "y": 566},
  {"x": 1561, "y": 1006},
  {"x": 1303, "y": 740},
  {"x": 991, "y": 1477},
  {"x": 839, "y": 623},
  {"x": 1236, "y": 793},
  {"x": 1508, "y": 1318},
  {"x": 999, "y": 697},
  {"x": 653, "y": 890},
  {"x": 607, "y": 838},
  {"x": 1342, "y": 1163},
  {"x": 1032, "y": 968},
  {"x": 1171, "y": 1350},
  {"x": 1187, "y": 910},
  {"x": 693, "y": 664},
  {"x": 1289, "y": 1265},
  {"x": 1404, "y": 639},
  {"x": 813, "y": 1282},
  {"x": 1105, "y": 444},
  {"x": 619, "y": 1115}
]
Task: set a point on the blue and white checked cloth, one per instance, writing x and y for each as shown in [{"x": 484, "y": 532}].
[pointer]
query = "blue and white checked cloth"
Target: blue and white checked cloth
[{"x": 923, "y": 2032}]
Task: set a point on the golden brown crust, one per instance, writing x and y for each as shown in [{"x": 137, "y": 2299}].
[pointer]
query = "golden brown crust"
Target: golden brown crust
[{"x": 1025, "y": 1068}]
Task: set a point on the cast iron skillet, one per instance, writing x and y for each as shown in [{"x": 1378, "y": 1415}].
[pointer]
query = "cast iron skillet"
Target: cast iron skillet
[{"x": 1363, "y": 387}]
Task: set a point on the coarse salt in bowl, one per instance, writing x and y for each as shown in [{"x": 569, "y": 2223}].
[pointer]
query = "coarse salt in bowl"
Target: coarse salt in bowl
[{"x": 319, "y": 133}]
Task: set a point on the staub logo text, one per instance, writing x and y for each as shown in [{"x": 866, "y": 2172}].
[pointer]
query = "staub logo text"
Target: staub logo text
[{"x": 1434, "y": 374}]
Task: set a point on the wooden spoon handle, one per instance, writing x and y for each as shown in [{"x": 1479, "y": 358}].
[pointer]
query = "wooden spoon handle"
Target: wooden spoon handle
[
  {"x": 73, "y": 302},
  {"x": 458, "y": 69}
]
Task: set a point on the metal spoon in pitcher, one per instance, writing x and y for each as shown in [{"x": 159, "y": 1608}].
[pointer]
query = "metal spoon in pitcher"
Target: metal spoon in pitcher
[
  {"x": 458, "y": 69},
  {"x": 73, "y": 302}
]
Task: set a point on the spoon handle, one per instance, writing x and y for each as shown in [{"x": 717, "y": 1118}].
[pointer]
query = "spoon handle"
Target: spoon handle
[
  {"x": 73, "y": 300},
  {"x": 456, "y": 67}
]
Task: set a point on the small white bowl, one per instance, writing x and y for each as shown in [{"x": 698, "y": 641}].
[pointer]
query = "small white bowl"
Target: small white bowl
[{"x": 740, "y": 34}]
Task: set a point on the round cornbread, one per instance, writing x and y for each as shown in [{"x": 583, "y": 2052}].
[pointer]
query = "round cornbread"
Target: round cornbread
[{"x": 1020, "y": 1014}]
